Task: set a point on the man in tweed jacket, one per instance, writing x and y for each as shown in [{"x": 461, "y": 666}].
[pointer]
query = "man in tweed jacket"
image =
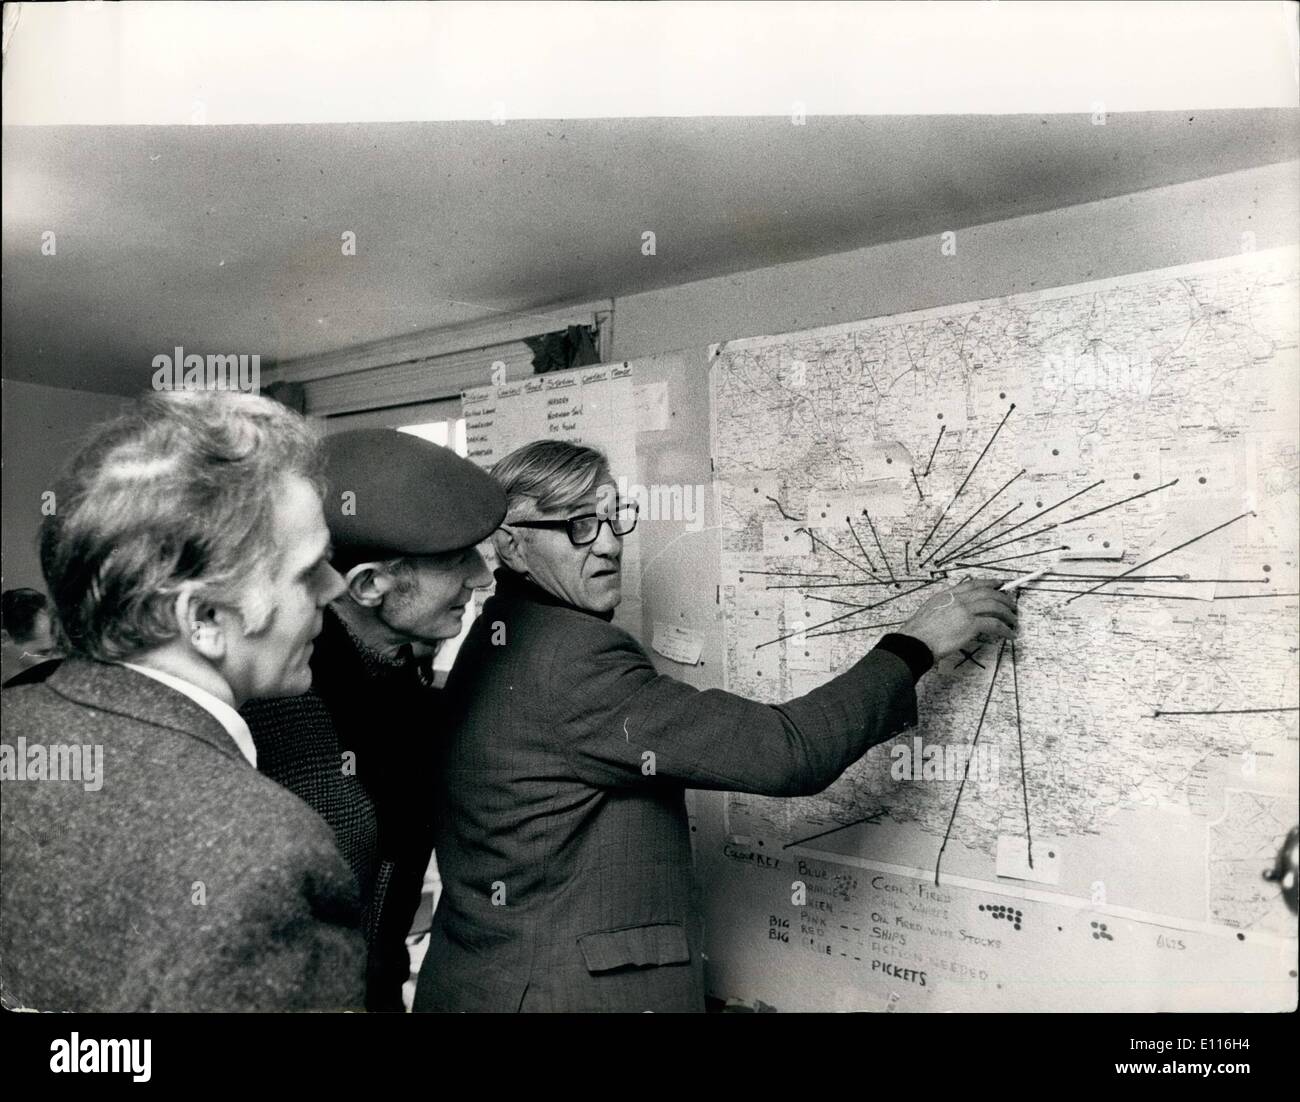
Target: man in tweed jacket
[
  {"x": 563, "y": 842},
  {"x": 145, "y": 864}
]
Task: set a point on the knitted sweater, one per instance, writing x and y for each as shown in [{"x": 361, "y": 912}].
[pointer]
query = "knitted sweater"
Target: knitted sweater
[{"x": 358, "y": 749}]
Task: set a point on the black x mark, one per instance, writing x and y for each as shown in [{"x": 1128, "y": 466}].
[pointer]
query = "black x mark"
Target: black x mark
[{"x": 970, "y": 657}]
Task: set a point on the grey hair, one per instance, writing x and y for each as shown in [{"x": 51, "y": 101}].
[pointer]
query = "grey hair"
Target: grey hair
[
  {"x": 179, "y": 489},
  {"x": 547, "y": 475}
]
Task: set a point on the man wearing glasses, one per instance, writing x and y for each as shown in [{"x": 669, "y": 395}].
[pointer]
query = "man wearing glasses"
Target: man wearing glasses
[{"x": 562, "y": 835}]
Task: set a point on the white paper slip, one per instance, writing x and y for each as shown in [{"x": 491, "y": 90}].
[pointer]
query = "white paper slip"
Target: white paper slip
[
  {"x": 652, "y": 407},
  {"x": 678, "y": 643},
  {"x": 1013, "y": 859}
]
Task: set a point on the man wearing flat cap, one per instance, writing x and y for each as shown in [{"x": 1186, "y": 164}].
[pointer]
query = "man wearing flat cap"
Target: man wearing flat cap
[{"x": 405, "y": 516}]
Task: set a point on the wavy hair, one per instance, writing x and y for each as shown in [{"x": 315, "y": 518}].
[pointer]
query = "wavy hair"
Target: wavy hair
[
  {"x": 547, "y": 475},
  {"x": 180, "y": 488}
]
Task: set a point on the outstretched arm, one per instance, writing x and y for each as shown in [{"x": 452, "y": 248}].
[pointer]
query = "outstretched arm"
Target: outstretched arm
[{"x": 624, "y": 725}]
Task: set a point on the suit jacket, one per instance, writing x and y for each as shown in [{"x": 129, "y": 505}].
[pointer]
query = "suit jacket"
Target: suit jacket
[
  {"x": 563, "y": 841},
  {"x": 188, "y": 881},
  {"x": 378, "y": 709}
]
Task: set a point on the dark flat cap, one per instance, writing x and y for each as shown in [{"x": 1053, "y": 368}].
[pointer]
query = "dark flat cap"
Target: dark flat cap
[{"x": 392, "y": 494}]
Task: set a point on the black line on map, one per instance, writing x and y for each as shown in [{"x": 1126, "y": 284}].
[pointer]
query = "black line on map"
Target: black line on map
[
  {"x": 970, "y": 755},
  {"x": 1121, "y": 501},
  {"x": 965, "y": 480},
  {"x": 973, "y": 515},
  {"x": 1044, "y": 512},
  {"x": 874, "y": 817},
  {"x": 844, "y": 585},
  {"x": 792, "y": 634},
  {"x": 1154, "y": 596},
  {"x": 787, "y": 573},
  {"x": 1098, "y": 577},
  {"x": 1105, "y": 596},
  {"x": 917, "y": 482},
  {"x": 958, "y": 549},
  {"x": 833, "y": 601},
  {"x": 1183, "y": 578},
  {"x": 1024, "y": 789},
  {"x": 1224, "y": 712},
  {"x": 883, "y": 557},
  {"x": 942, "y": 430},
  {"x": 1170, "y": 578},
  {"x": 904, "y": 593},
  {"x": 953, "y": 535},
  {"x": 1008, "y": 558},
  {"x": 862, "y": 627},
  {"x": 845, "y": 616},
  {"x": 870, "y": 564},
  {"x": 1163, "y": 554},
  {"x": 781, "y": 509},
  {"x": 1002, "y": 543},
  {"x": 835, "y": 552}
]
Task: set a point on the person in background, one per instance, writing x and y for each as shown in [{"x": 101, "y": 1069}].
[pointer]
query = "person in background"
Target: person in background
[
  {"x": 405, "y": 516},
  {"x": 562, "y": 839},
  {"x": 146, "y": 864},
  {"x": 27, "y": 632}
]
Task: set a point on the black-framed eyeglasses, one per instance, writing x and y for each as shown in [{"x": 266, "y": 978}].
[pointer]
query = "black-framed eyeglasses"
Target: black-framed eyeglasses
[{"x": 585, "y": 528}]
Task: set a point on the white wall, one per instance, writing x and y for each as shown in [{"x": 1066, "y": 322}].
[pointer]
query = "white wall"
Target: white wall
[
  {"x": 43, "y": 426},
  {"x": 1200, "y": 220}
]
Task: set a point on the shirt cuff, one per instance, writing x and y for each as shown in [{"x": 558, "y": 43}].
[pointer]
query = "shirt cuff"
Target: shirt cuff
[{"x": 916, "y": 654}]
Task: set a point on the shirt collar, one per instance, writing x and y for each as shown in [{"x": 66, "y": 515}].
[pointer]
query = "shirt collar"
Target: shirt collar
[{"x": 222, "y": 712}]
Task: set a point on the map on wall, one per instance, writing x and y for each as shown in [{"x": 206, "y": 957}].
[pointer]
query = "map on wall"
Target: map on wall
[{"x": 1134, "y": 438}]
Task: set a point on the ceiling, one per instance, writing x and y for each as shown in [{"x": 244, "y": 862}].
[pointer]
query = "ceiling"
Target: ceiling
[{"x": 228, "y": 238}]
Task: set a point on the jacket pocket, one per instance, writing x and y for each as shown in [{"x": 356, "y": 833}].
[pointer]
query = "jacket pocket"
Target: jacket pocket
[{"x": 635, "y": 947}]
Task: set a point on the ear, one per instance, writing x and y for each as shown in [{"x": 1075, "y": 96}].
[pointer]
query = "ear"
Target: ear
[
  {"x": 202, "y": 623},
  {"x": 511, "y": 548},
  {"x": 368, "y": 582}
]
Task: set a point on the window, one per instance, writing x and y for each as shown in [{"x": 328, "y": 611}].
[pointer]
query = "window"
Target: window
[
  {"x": 449, "y": 433},
  {"x": 443, "y": 433}
]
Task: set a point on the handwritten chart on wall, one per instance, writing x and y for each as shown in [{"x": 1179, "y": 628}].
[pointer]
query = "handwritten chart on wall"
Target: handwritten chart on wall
[
  {"x": 1082, "y": 819},
  {"x": 594, "y": 406}
]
